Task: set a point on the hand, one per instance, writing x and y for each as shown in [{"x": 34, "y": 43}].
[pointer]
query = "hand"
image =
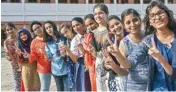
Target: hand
[
  {"x": 18, "y": 51},
  {"x": 113, "y": 49},
  {"x": 25, "y": 54},
  {"x": 109, "y": 63},
  {"x": 154, "y": 52}
]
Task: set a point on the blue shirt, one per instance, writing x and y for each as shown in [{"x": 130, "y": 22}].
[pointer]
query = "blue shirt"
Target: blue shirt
[{"x": 58, "y": 64}]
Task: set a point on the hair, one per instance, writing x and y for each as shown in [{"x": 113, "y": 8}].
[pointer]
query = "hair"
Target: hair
[
  {"x": 10, "y": 24},
  {"x": 65, "y": 25},
  {"x": 33, "y": 23},
  {"x": 89, "y": 16},
  {"x": 129, "y": 11},
  {"x": 103, "y": 7},
  {"x": 78, "y": 19},
  {"x": 112, "y": 17},
  {"x": 46, "y": 36},
  {"x": 150, "y": 29}
]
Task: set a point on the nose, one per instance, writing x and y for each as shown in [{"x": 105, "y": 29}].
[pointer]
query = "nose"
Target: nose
[{"x": 157, "y": 17}]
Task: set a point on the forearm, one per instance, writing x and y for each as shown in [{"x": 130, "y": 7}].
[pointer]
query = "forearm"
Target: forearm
[
  {"x": 166, "y": 66},
  {"x": 120, "y": 71},
  {"x": 123, "y": 60},
  {"x": 72, "y": 56}
]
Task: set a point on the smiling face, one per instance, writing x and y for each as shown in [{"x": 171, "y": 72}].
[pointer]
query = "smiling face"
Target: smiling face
[
  {"x": 90, "y": 24},
  {"x": 115, "y": 27},
  {"x": 23, "y": 36},
  {"x": 100, "y": 16},
  {"x": 78, "y": 27},
  {"x": 66, "y": 32},
  {"x": 132, "y": 23},
  {"x": 10, "y": 30},
  {"x": 49, "y": 29},
  {"x": 37, "y": 29},
  {"x": 158, "y": 18}
]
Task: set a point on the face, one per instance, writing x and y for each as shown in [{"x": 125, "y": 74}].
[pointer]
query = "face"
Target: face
[
  {"x": 158, "y": 18},
  {"x": 132, "y": 23},
  {"x": 37, "y": 29},
  {"x": 10, "y": 30},
  {"x": 115, "y": 27},
  {"x": 49, "y": 29},
  {"x": 100, "y": 16},
  {"x": 66, "y": 32},
  {"x": 23, "y": 36},
  {"x": 90, "y": 24},
  {"x": 78, "y": 27}
]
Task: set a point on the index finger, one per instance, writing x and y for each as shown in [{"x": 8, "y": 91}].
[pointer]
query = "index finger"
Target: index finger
[{"x": 153, "y": 42}]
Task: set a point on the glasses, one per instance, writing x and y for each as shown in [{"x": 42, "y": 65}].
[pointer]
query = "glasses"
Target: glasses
[{"x": 160, "y": 13}]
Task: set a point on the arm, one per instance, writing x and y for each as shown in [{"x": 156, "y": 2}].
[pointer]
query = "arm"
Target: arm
[
  {"x": 7, "y": 53},
  {"x": 33, "y": 55},
  {"x": 48, "y": 53}
]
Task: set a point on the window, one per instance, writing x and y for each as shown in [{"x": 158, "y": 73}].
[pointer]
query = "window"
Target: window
[
  {"x": 90, "y": 1},
  {"x": 146, "y": 1},
  {"x": 74, "y": 1},
  {"x": 15, "y": 1},
  {"x": 3, "y": 1},
  {"x": 170, "y": 1},
  {"x": 45, "y": 1},
  {"x": 136, "y": 1},
  {"x": 124, "y": 1},
  {"x": 62, "y": 1},
  {"x": 32, "y": 1},
  {"x": 99, "y": 1},
  {"x": 111, "y": 1},
  {"x": 161, "y": 1}
]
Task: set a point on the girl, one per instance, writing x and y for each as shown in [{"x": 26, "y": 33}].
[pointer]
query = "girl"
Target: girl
[
  {"x": 55, "y": 55},
  {"x": 137, "y": 79},
  {"x": 38, "y": 54},
  {"x": 89, "y": 58},
  {"x": 161, "y": 25},
  {"x": 10, "y": 51},
  {"x": 100, "y": 14},
  {"x": 67, "y": 31},
  {"x": 115, "y": 81},
  {"x": 30, "y": 76}
]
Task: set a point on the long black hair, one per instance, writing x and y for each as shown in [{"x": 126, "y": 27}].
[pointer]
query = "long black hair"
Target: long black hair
[
  {"x": 46, "y": 36},
  {"x": 150, "y": 29}
]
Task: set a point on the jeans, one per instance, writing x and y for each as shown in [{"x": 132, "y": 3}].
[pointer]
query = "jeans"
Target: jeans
[
  {"x": 45, "y": 80},
  {"x": 61, "y": 82}
]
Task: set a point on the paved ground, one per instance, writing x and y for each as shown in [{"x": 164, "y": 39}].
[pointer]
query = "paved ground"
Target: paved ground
[{"x": 7, "y": 82}]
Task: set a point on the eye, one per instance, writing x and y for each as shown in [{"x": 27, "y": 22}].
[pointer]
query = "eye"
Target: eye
[
  {"x": 127, "y": 22},
  {"x": 151, "y": 15},
  {"x": 135, "y": 20}
]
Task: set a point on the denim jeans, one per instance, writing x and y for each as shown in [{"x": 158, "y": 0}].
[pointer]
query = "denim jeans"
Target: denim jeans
[
  {"x": 45, "y": 80},
  {"x": 61, "y": 82}
]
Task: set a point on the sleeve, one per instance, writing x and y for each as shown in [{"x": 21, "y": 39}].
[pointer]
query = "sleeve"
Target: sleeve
[
  {"x": 74, "y": 49},
  {"x": 48, "y": 52},
  {"x": 173, "y": 76},
  {"x": 7, "y": 53},
  {"x": 33, "y": 55}
]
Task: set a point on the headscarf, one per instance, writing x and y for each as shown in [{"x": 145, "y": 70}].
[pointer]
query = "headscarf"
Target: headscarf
[{"x": 24, "y": 44}]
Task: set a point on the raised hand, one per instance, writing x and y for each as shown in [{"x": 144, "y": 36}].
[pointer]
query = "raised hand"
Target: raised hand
[
  {"x": 25, "y": 54},
  {"x": 109, "y": 63},
  {"x": 153, "y": 51},
  {"x": 113, "y": 48}
]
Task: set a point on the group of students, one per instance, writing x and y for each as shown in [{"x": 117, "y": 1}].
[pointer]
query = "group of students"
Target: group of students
[{"x": 97, "y": 53}]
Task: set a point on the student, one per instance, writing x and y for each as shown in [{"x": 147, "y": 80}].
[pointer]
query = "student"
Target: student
[
  {"x": 161, "y": 25},
  {"x": 38, "y": 55},
  {"x": 89, "y": 58},
  {"x": 137, "y": 79},
  {"x": 116, "y": 81},
  {"x": 30, "y": 76},
  {"x": 10, "y": 47},
  {"x": 55, "y": 55},
  {"x": 76, "y": 53},
  {"x": 100, "y": 15},
  {"x": 67, "y": 31}
]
